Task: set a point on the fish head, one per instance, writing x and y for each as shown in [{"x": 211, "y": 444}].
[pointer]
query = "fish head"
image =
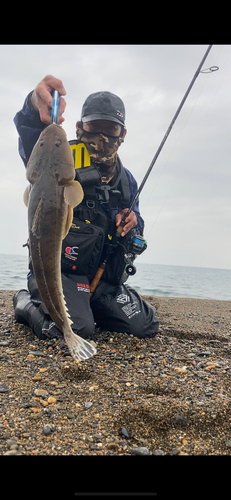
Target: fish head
[{"x": 51, "y": 153}]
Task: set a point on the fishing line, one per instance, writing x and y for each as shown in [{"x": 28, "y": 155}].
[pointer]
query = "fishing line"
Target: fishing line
[
  {"x": 207, "y": 71},
  {"x": 120, "y": 228},
  {"x": 222, "y": 79},
  {"x": 172, "y": 151}
]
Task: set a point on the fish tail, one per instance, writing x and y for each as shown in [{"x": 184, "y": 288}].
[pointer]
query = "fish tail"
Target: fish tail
[{"x": 79, "y": 348}]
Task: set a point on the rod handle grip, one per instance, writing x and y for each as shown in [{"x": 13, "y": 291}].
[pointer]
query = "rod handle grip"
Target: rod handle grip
[
  {"x": 120, "y": 228},
  {"x": 97, "y": 277}
]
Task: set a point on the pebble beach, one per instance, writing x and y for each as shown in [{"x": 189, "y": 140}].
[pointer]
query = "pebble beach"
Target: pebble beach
[{"x": 169, "y": 395}]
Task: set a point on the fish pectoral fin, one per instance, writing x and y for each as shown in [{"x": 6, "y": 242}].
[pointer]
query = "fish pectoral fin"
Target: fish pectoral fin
[
  {"x": 73, "y": 194},
  {"x": 68, "y": 222},
  {"x": 26, "y": 195}
]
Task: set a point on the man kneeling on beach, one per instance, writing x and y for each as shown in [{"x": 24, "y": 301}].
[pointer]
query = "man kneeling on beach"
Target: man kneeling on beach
[{"x": 108, "y": 192}]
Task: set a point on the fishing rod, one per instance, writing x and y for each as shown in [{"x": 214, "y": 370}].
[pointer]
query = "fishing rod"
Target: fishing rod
[
  {"x": 213, "y": 68},
  {"x": 119, "y": 230}
]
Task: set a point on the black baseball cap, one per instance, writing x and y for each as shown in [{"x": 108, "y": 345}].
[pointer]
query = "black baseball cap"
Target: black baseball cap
[{"x": 103, "y": 106}]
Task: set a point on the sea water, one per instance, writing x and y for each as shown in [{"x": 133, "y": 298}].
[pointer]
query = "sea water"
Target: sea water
[
  {"x": 13, "y": 272},
  {"x": 182, "y": 281},
  {"x": 150, "y": 279}
]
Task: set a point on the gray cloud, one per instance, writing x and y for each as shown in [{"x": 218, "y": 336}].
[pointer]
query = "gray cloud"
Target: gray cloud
[{"x": 186, "y": 201}]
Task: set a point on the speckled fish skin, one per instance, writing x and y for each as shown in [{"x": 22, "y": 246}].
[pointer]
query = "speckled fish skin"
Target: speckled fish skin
[{"x": 51, "y": 197}]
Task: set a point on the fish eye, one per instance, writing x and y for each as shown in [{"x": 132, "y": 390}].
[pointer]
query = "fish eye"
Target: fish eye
[
  {"x": 41, "y": 143},
  {"x": 57, "y": 143}
]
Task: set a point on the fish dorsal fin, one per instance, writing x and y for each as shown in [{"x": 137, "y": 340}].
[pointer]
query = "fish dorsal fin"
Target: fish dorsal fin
[
  {"x": 73, "y": 194},
  {"x": 26, "y": 195}
]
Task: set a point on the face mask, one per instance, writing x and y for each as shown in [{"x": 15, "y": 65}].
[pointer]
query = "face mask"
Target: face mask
[{"x": 102, "y": 149}]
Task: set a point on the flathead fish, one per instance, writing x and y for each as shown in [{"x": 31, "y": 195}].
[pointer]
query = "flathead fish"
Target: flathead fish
[{"x": 51, "y": 196}]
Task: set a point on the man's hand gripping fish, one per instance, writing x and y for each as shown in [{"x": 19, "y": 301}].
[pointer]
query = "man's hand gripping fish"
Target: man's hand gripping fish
[{"x": 51, "y": 197}]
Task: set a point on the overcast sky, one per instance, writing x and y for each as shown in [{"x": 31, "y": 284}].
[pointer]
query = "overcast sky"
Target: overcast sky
[{"x": 186, "y": 203}]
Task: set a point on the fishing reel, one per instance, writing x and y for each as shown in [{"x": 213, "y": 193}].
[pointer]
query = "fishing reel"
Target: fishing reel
[
  {"x": 136, "y": 246},
  {"x": 139, "y": 244},
  {"x": 123, "y": 253},
  {"x": 130, "y": 269}
]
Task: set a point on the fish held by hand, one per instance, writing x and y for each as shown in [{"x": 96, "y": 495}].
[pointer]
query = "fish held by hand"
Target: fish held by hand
[{"x": 51, "y": 196}]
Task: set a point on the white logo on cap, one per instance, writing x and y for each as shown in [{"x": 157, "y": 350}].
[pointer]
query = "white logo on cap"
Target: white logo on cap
[{"x": 119, "y": 113}]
